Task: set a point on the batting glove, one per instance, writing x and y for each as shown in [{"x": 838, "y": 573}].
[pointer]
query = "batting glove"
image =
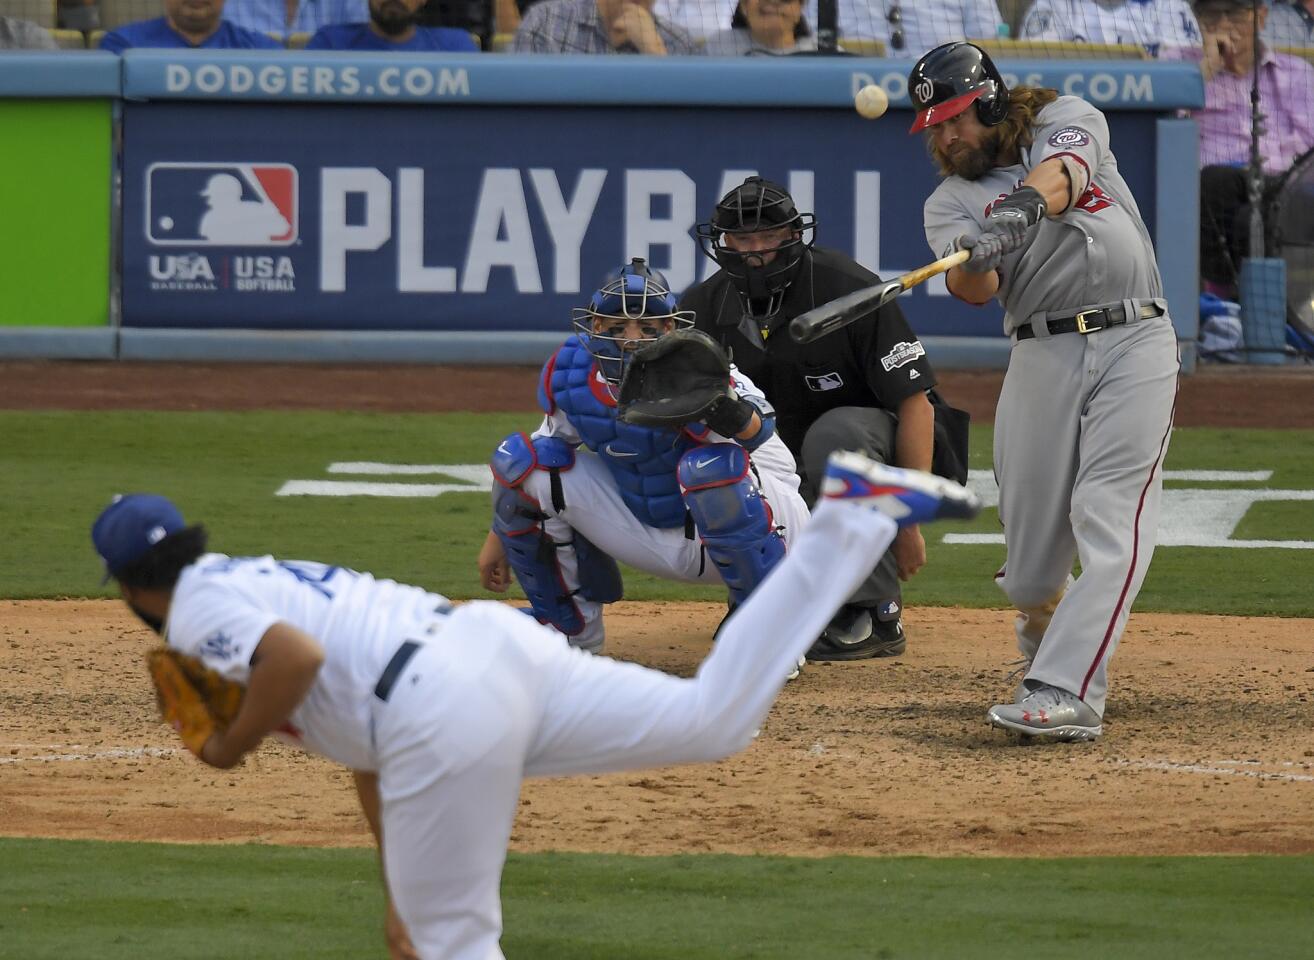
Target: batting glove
[
  {"x": 1014, "y": 216},
  {"x": 987, "y": 252}
]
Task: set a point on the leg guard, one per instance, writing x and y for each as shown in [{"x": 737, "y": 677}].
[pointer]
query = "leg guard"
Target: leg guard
[
  {"x": 530, "y": 552},
  {"x": 734, "y": 521}
]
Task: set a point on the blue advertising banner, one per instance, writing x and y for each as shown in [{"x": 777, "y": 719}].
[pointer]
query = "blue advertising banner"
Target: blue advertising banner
[
  {"x": 483, "y": 217},
  {"x": 327, "y": 76}
]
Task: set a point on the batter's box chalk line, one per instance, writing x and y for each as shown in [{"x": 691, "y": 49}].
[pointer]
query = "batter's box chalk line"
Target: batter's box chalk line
[
  {"x": 474, "y": 477},
  {"x": 117, "y": 753},
  {"x": 1221, "y": 768},
  {"x": 1188, "y": 516}
]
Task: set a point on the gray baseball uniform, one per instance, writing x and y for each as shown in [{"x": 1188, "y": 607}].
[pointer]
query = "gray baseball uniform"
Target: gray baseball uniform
[{"x": 1083, "y": 419}]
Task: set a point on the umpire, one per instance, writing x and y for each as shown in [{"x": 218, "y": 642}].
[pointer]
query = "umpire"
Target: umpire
[{"x": 866, "y": 387}]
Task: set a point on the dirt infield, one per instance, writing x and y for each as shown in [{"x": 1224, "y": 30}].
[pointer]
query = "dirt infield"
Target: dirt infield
[
  {"x": 1207, "y": 748},
  {"x": 1217, "y": 397}
]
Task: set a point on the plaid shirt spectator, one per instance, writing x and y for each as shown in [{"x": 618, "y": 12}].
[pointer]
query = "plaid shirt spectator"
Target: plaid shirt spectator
[
  {"x": 18, "y": 34},
  {"x": 577, "y": 26},
  {"x": 1286, "y": 96},
  {"x": 1291, "y": 24}
]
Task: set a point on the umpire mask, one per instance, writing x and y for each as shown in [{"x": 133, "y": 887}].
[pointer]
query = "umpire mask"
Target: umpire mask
[{"x": 757, "y": 237}]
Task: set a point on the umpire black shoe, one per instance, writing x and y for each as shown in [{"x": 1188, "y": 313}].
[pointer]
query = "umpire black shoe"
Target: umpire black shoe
[{"x": 854, "y": 634}]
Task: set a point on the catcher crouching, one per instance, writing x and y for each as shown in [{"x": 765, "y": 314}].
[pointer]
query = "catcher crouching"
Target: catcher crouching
[{"x": 653, "y": 451}]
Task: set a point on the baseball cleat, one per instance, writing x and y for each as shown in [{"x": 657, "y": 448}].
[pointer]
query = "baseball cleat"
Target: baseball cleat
[
  {"x": 853, "y": 634},
  {"x": 905, "y": 496},
  {"x": 1049, "y": 713}
]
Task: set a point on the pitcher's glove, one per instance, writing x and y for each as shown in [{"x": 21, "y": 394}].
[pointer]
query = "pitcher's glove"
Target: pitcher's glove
[
  {"x": 681, "y": 378},
  {"x": 195, "y": 700}
]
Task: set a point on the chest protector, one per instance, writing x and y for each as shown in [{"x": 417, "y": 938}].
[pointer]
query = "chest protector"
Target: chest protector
[{"x": 642, "y": 460}]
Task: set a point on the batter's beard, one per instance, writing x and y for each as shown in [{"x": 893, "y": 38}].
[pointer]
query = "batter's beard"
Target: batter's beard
[
  {"x": 391, "y": 17},
  {"x": 972, "y": 163}
]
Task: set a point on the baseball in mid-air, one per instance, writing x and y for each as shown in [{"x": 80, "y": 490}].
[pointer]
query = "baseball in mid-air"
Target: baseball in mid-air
[{"x": 871, "y": 101}]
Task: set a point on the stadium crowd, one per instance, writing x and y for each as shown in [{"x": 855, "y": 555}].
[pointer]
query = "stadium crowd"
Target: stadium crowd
[
  {"x": 898, "y": 28},
  {"x": 1238, "y": 44}
]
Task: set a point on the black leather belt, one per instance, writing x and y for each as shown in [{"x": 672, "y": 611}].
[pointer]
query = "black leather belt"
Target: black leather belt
[
  {"x": 388, "y": 679},
  {"x": 1090, "y": 320}
]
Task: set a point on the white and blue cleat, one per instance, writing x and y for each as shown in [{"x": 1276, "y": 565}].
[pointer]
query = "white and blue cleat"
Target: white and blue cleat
[{"x": 905, "y": 496}]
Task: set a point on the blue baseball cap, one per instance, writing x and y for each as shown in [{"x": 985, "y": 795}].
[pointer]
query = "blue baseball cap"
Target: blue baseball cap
[{"x": 130, "y": 526}]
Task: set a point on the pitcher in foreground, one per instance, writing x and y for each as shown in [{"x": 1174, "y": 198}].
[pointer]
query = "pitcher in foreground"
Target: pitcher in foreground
[{"x": 441, "y": 711}]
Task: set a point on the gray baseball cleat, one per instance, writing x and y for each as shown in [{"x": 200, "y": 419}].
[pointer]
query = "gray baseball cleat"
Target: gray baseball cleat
[
  {"x": 905, "y": 496},
  {"x": 1049, "y": 713}
]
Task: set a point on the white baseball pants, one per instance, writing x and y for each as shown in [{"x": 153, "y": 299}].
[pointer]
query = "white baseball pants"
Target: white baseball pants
[{"x": 494, "y": 697}]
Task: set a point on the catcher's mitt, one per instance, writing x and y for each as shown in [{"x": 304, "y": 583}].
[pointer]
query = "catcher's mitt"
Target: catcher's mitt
[
  {"x": 194, "y": 700},
  {"x": 674, "y": 380}
]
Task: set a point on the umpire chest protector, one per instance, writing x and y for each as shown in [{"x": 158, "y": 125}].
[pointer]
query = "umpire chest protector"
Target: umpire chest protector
[{"x": 642, "y": 460}]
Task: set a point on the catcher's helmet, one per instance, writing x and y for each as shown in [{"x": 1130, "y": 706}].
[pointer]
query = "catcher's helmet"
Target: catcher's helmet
[
  {"x": 952, "y": 77},
  {"x": 761, "y": 276},
  {"x": 633, "y": 293}
]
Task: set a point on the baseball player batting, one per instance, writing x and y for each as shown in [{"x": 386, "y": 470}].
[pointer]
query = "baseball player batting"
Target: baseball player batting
[
  {"x": 1032, "y": 190},
  {"x": 713, "y": 498},
  {"x": 441, "y": 711}
]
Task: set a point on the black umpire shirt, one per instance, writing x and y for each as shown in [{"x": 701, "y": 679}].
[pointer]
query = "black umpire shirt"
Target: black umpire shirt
[{"x": 876, "y": 361}]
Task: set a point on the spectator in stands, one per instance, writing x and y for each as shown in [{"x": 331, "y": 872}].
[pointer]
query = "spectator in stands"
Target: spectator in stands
[
  {"x": 1286, "y": 98},
  {"x": 1165, "y": 28},
  {"x": 187, "y": 23},
  {"x": 391, "y": 27},
  {"x": 1291, "y": 24},
  {"x": 763, "y": 27},
  {"x": 285, "y": 17},
  {"x": 18, "y": 34},
  {"x": 911, "y": 27},
  {"x": 599, "y": 26}
]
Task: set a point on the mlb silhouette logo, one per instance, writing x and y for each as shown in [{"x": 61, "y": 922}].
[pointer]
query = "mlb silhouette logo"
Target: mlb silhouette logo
[{"x": 221, "y": 204}]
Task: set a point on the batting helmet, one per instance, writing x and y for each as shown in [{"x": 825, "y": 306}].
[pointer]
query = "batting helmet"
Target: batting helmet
[
  {"x": 952, "y": 77},
  {"x": 760, "y": 275},
  {"x": 634, "y": 293}
]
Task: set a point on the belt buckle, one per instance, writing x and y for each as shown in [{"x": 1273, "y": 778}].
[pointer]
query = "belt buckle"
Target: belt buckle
[{"x": 1082, "y": 327}]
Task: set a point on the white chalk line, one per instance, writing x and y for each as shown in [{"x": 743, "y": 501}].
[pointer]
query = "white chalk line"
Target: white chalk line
[
  {"x": 120, "y": 753},
  {"x": 1219, "y": 768}
]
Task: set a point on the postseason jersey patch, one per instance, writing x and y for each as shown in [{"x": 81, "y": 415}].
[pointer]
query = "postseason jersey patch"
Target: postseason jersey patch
[
  {"x": 1069, "y": 137},
  {"x": 902, "y": 353}
]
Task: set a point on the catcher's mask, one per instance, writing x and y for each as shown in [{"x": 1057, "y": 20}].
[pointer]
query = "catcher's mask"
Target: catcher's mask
[
  {"x": 761, "y": 275},
  {"x": 633, "y": 307}
]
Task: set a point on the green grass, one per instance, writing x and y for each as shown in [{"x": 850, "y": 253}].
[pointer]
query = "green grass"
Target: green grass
[
  {"x": 57, "y": 469},
  {"x": 149, "y": 902}
]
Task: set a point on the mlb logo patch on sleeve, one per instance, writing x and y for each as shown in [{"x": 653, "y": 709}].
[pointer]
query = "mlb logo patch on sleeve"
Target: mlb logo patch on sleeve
[{"x": 221, "y": 204}]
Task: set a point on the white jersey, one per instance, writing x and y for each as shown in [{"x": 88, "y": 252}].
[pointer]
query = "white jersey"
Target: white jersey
[
  {"x": 1160, "y": 26},
  {"x": 222, "y": 606},
  {"x": 920, "y": 24},
  {"x": 1289, "y": 25}
]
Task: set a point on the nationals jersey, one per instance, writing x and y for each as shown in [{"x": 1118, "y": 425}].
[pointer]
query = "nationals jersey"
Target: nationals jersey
[
  {"x": 222, "y": 606},
  {"x": 1099, "y": 251}
]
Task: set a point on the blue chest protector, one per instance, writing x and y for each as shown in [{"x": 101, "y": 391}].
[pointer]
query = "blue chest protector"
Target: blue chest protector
[{"x": 642, "y": 460}]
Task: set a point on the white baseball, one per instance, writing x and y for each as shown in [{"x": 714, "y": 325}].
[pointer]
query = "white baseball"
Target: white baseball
[{"x": 871, "y": 101}]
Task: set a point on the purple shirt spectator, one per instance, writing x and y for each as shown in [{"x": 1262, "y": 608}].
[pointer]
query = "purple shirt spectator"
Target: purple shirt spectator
[
  {"x": 359, "y": 36},
  {"x": 1286, "y": 96},
  {"x": 159, "y": 33}
]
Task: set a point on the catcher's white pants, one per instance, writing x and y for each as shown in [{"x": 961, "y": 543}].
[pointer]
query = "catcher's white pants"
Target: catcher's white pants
[
  {"x": 594, "y": 507},
  {"x": 495, "y": 697}
]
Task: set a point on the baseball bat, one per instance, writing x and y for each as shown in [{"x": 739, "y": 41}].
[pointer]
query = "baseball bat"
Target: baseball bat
[{"x": 842, "y": 311}]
